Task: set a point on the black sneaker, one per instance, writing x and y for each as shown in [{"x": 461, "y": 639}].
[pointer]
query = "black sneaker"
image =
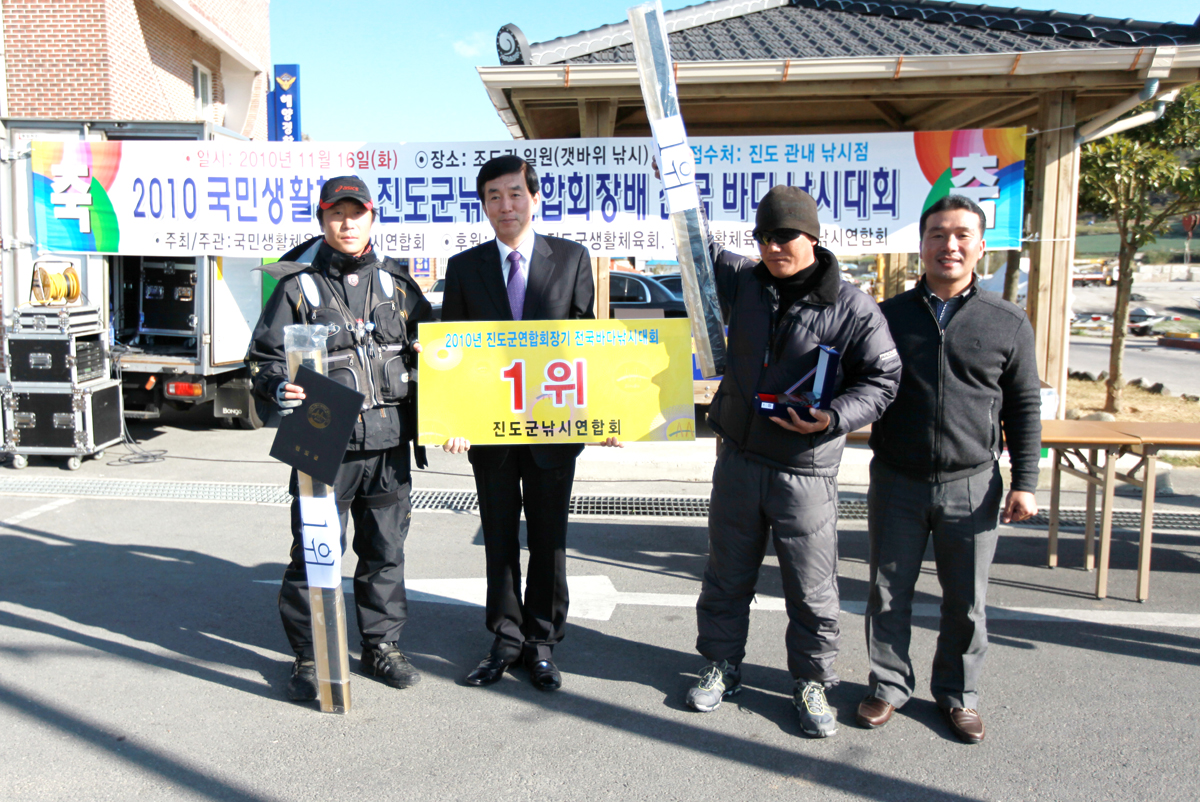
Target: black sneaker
[
  {"x": 302, "y": 686},
  {"x": 390, "y": 665},
  {"x": 717, "y": 681}
]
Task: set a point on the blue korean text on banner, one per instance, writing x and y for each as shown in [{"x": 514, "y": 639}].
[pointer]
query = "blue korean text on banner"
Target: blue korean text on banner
[{"x": 284, "y": 105}]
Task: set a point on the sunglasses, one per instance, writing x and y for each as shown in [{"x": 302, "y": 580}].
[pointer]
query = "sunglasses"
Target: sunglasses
[{"x": 780, "y": 236}]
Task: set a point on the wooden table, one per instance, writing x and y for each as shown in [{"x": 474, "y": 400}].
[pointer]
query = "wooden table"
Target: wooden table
[
  {"x": 1152, "y": 437},
  {"x": 1071, "y": 438}
]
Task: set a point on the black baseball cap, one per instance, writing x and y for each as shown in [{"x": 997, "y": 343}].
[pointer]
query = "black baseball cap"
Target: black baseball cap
[
  {"x": 788, "y": 208},
  {"x": 345, "y": 186}
]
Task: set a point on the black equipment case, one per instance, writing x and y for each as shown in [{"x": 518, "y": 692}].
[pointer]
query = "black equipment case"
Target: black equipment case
[
  {"x": 66, "y": 420},
  {"x": 167, "y": 302},
  {"x": 60, "y": 399},
  {"x": 46, "y": 359}
]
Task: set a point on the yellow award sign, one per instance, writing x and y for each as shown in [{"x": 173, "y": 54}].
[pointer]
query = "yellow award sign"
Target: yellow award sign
[{"x": 555, "y": 381}]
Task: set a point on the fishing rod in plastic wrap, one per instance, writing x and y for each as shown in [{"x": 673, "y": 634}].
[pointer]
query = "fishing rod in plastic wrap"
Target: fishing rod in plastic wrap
[{"x": 677, "y": 168}]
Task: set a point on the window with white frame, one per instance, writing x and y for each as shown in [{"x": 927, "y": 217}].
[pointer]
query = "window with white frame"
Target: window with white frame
[{"x": 202, "y": 86}]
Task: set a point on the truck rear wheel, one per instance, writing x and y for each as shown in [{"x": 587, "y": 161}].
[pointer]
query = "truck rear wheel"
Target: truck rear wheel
[{"x": 251, "y": 421}]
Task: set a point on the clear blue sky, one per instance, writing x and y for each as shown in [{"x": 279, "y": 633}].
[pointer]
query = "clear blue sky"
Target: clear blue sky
[{"x": 404, "y": 71}]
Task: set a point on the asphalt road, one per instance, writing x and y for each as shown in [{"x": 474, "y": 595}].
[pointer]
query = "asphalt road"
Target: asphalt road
[
  {"x": 1177, "y": 368},
  {"x": 141, "y": 657},
  {"x": 1165, "y": 297}
]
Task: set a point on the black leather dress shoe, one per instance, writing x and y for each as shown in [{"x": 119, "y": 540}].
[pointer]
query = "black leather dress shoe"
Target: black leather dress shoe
[
  {"x": 489, "y": 670},
  {"x": 544, "y": 675}
]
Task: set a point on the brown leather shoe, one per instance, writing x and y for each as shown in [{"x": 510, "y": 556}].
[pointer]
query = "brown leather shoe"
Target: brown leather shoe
[
  {"x": 874, "y": 712},
  {"x": 965, "y": 723}
]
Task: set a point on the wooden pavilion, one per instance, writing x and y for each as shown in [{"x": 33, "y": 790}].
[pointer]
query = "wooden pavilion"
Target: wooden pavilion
[{"x": 846, "y": 66}]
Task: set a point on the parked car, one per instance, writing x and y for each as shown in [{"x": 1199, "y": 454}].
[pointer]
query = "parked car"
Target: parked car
[
  {"x": 434, "y": 293},
  {"x": 626, "y": 290},
  {"x": 634, "y": 291},
  {"x": 673, "y": 282}
]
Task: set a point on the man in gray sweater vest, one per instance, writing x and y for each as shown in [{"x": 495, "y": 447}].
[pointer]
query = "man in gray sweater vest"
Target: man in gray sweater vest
[{"x": 969, "y": 385}]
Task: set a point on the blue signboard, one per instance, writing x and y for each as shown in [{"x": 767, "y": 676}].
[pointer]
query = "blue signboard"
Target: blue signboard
[{"x": 284, "y": 104}]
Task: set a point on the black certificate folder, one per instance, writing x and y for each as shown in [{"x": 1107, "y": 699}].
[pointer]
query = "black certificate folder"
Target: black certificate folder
[{"x": 313, "y": 438}]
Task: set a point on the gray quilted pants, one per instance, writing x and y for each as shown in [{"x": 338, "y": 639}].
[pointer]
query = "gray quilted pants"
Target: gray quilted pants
[{"x": 800, "y": 512}]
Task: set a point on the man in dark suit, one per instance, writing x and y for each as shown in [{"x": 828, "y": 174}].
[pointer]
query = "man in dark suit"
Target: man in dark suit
[{"x": 520, "y": 275}]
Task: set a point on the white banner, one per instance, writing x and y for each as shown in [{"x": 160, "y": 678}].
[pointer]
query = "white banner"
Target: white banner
[{"x": 256, "y": 198}]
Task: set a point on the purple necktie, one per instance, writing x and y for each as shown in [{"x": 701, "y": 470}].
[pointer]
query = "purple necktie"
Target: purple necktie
[{"x": 516, "y": 285}]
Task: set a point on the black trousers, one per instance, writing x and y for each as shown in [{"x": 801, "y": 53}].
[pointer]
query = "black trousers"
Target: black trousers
[
  {"x": 536, "y": 623},
  {"x": 373, "y": 488}
]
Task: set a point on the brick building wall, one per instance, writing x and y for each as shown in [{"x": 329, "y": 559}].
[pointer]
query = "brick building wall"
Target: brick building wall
[
  {"x": 57, "y": 58},
  {"x": 247, "y": 22},
  {"x": 171, "y": 47},
  {"x": 129, "y": 60}
]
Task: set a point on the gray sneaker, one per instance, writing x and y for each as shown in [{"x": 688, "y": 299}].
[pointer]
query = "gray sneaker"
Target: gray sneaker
[
  {"x": 717, "y": 681},
  {"x": 817, "y": 718}
]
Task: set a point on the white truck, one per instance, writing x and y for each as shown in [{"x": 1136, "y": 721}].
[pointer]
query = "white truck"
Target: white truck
[{"x": 178, "y": 326}]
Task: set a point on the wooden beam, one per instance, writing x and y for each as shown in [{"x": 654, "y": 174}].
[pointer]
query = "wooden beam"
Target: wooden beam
[
  {"x": 780, "y": 128},
  {"x": 882, "y": 89},
  {"x": 941, "y": 114},
  {"x": 888, "y": 112},
  {"x": 1027, "y": 109},
  {"x": 972, "y": 117},
  {"x": 597, "y": 118},
  {"x": 524, "y": 117}
]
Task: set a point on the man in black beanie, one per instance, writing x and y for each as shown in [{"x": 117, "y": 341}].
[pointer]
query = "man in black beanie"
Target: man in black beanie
[{"x": 780, "y": 476}]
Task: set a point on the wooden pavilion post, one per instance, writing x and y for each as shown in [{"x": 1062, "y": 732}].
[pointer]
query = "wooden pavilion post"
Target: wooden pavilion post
[
  {"x": 598, "y": 119},
  {"x": 600, "y": 268},
  {"x": 895, "y": 273},
  {"x": 1052, "y": 254}
]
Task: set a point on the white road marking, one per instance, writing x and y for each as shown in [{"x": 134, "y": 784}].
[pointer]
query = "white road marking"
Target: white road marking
[
  {"x": 595, "y": 598},
  {"x": 16, "y": 520},
  {"x": 36, "y": 511}
]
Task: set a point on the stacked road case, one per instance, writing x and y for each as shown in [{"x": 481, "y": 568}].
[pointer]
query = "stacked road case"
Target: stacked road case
[{"x": 60, "y": 398}]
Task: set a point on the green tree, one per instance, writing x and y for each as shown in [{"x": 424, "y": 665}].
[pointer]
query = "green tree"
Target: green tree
[{"x": 1140, "y": 180}]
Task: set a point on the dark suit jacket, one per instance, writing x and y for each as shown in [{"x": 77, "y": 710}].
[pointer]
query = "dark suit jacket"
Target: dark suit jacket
[{"x": 559, "y": 287}]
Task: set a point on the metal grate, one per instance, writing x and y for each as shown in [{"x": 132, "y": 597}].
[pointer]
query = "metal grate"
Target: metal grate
[
  {"x": 1076, "y": 517},
  {"x": 853, "y": 510},
  {"x": 641, "y": 506},
  {"x": 446, "y": 500},
  {"x": 467, "y": 501}
]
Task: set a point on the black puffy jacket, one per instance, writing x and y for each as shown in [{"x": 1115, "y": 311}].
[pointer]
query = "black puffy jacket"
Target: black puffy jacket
[{"x": 768, "y": 352}]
